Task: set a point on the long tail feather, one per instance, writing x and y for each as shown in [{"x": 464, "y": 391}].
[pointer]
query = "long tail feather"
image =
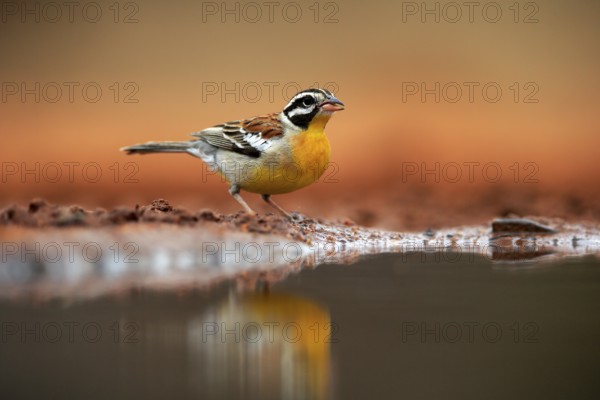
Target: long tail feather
[{"x": 157, "y": 147}]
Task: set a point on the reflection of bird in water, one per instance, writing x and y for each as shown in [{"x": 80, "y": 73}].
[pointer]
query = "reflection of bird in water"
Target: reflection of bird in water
[
  {"x": 262, "y": 286},
  {"x": 283, "y": 347}
]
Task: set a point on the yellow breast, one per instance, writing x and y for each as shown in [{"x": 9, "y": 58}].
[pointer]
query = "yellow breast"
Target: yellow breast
[{"x": 307, "y": 161}]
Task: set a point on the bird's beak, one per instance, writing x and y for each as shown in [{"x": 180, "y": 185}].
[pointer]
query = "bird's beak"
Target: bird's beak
[{"x": 332, "y": 104}]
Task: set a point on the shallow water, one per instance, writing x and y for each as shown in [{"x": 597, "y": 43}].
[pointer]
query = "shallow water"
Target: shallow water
[{"x": 413, "y": 326}]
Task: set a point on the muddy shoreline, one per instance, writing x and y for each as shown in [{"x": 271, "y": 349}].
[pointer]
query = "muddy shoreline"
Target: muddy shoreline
[{"x": 53, "y": 251}]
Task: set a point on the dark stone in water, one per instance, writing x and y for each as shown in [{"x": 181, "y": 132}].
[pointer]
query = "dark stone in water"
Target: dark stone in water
[
  {"x": 502, "y": 254},
  {"x": 429, "y": 233},
  {"x": 520, "y": 225}
]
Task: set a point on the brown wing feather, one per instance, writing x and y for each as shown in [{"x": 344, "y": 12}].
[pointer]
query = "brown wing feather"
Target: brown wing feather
[
  {"x": 250, "y": 137},
  {"x": 268, "y": 126}
]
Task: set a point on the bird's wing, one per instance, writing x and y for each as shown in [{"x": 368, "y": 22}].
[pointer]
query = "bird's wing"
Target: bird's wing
[{"x": 251, "y": 136}]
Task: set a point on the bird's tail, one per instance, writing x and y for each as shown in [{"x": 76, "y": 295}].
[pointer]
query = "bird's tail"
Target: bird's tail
[{"x": 158, "y": 147}]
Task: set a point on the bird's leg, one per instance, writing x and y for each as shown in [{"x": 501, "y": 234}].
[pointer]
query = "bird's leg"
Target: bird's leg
[
  {"x": 267, "y": 198},
  {"x": 234, "y": 191}
]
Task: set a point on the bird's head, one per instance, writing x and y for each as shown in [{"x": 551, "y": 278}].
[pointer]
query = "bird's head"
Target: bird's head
[{"x": 310, "y": 106}]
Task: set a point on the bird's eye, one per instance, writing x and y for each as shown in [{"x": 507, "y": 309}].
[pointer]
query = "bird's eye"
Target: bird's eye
[{"x": 308, "y": 101}]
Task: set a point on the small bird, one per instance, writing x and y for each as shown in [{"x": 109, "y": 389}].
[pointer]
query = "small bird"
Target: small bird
[{"x": 268, "y": 154}]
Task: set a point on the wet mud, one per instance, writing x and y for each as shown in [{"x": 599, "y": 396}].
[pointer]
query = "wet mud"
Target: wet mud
[{"x": 53, "y": 250}]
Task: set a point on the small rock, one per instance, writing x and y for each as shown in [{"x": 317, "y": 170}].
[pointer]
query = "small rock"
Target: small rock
[
  {"x": 208, "y": 215},
  {"x": 121, "y": 215},
  {"x": 36, "y": 204},
  {"x": 429, "y": 233},
  {"x": 72, "y": 216},
  {"x": 519, "y": 225},
  {"x": 161, "y": 205}
]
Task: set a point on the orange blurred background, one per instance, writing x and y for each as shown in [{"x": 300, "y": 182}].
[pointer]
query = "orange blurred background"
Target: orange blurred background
[{"x": 165, "y": 70}]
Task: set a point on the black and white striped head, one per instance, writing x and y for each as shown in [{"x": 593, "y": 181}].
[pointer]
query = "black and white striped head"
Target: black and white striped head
[{"x": 307, "y": 104}]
